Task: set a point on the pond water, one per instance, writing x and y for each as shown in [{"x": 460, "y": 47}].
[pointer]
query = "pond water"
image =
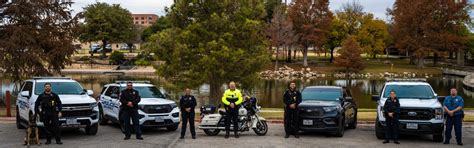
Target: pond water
[{"x": 270, "y": 92}]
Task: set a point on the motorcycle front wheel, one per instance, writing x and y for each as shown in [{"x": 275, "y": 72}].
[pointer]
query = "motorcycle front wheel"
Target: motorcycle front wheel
[
  {"x": 262, "y": 128},
  {"x": 212, "y": 132}
]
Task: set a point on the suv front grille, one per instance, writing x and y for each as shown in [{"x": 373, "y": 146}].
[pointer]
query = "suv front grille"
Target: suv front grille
[
  {"x": 84, "y": 113},
  {"x": 310, "y": 112},
  {"x": 416, "y": 114},
  {"x": 156, "y": 109}
]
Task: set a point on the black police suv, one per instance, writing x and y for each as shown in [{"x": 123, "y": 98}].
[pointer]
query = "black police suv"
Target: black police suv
[{"x": 327, "y": 109}]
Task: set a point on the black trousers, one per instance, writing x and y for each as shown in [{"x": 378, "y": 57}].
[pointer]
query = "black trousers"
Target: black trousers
[
  {"x": 133, "y": 114},
  {"x": 392, "y": 128},
  {"x": 455, "y": 121},
  {"x": 291, "y": 121},
  {"x": 187, "y": 117},
  {"x": 51, "y": 124},
  {"x": 232, "y": 115}
]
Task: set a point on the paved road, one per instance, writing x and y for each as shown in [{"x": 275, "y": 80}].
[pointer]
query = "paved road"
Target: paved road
[{"x": 111, "y": 137}]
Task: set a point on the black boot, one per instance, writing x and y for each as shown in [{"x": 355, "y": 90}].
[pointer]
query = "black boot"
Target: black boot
[
  {"x": 287, "y": 135},
  {"x": 236, "y": 135},
  {"x": 227, "y": 135},
  {"x": 396, "y": 142},
  {"x": 385, "y": 141},
  {"x": 48, "y": 141}
]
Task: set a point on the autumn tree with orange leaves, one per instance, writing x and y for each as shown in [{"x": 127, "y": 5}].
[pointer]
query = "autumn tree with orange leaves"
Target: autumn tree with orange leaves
[{"x": 349, "y": 56}]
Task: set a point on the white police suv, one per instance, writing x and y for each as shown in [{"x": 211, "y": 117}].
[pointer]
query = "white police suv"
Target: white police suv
[
  {"x": 421, "y": 110},
  {"x": 155, "y": 110},
  {"x": 79, "y": 109}
]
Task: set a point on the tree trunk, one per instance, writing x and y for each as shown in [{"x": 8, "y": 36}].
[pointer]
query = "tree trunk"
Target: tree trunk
[
  {"x": 332, "y": 55},
  {"x": 288, "y": 57},
  {"x": 104, "y": 44},
  {"x": 421, "y": 62},
  {"x": 276, "y": 61},
  {"x": 214, "y": 94},
  {"x": 374, "y": 56},
  {"x": 305, "y": 57},
  {"x": 130, "y": 45},
  {"x": 294, "y": 53},
  {"x": 435, "y": 59},
  {"x": 460, "y": 58}
]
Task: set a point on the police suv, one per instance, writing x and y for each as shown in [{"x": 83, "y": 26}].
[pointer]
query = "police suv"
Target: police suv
[
  {"x": 79, "y": 109},
  {"x": 155, "y": 110},
  {"x": 421, "y": 110}
]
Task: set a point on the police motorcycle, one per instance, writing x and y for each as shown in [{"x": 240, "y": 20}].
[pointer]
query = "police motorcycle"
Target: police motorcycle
[{"x": 212, "y": 123}]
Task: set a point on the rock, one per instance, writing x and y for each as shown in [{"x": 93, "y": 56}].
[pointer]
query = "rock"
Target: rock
[{"x": 387, "y": 62}]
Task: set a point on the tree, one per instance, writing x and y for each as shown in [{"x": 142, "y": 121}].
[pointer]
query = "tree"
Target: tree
[
  {"x": 311, "y": 23},
  {"x": 373, "y": 36},
  {"x": 280, "y": 30},
  {"x": 224, "y": 41},
  {"x": 424, "y": 26},
  {"x": 106, "y": 23},
  {"x": 36, "y": 37},
  {"x": 133, "y": 36},
  {"x": 349, "y": 55},
  {"x": 161, "y": 23},
  {"x": 335, "y": 38}
]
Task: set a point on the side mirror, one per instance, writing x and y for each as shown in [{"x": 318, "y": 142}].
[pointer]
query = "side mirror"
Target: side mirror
[
  {"x": 441, "y": 99},
  {"x": 25, "y": 94},
  {"x": 375, "y": 97},
  {"x": 90, "y": 92},
  {"x": 349, "y": 99},
  {"x": 115, "y": 96}
]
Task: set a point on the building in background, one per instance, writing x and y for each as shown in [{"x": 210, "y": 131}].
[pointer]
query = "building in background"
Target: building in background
[{"x": 144, "y": 19}]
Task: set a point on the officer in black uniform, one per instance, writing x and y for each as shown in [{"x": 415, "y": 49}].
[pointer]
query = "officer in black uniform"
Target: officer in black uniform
[
  {"x": 50, "y": 106},
  {"x": 187, "y": 103},
  {"x": 291, "y": 98},
  {"x": 391, "y": 110},
  {"x": 129, "y": 109}
]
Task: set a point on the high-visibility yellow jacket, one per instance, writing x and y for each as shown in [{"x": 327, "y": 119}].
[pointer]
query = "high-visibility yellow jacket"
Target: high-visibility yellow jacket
[{"x": 232, "y": 96}]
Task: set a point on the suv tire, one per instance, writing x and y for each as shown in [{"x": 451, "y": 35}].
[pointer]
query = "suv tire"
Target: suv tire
[
  {"x": 92, "y": 129},
  {"x": 378, "y": 130},
  {"x": 340, "y": 130},
  {"x": 18, "y": 120},
  {"x": 438, "y": 138}
]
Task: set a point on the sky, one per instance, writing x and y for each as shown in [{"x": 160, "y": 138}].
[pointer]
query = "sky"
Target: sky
[{"x": 376, "y": 7}]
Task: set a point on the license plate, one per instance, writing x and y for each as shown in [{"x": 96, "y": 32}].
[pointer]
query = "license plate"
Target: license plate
[
  {"x": 71, "y": 121},
  {"x": 412, "y": 126},
  {"x": 307, "y": 122},
  {"x": 159, "y": 119}
]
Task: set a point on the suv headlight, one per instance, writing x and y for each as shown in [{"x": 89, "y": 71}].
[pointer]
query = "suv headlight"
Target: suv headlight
[
  {"x": 438, "y": 114},
  {"x": 93, "y": 105},
  {"x": 329, "y": 109},
  {"x": 173, "y": 105}
]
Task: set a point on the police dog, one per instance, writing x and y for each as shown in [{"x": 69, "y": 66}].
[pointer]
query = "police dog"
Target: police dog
[{"x": 32, "y": 136}]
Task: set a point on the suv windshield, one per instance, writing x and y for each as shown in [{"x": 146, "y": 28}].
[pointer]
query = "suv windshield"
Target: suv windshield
[
  {"x": 61, "y": 88},
  {"x": 324, "y": 94},
  {"x": 410, "y": 91},
  {"x": 149, "y": 92}
]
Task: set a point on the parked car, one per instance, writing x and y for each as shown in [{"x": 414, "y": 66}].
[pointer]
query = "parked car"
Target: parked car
[
  {"x": 80, "y": 110},
  {"x": 421, "y": 110},
  {"x": 155, "y": 109},
  {"x": 125, "y": 46},
  {"x": 95, "y": 48},
  {"x": 327, "y": 109}
]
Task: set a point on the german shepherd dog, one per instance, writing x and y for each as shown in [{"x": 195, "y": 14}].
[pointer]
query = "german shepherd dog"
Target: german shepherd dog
[{"x": 32, "y": 136}]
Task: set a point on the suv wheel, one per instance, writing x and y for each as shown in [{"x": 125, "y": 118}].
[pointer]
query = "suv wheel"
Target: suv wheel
[
  {"x": 18, "y": 120},
  {"x": 102, "y": 119},
  {"x": 172, "y": 128},
  {"x": 353, "y": 124},
  {"x": 438, "y": 138},
  {"x": 92, "y": 129},
  {"x": 378, "y": 130},
  {"x": 340, "y": 130}
]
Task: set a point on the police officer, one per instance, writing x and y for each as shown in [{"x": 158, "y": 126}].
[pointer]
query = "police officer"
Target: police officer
[
  {"x": 453, "y": 107},
  {"x": 391, "y": 110},
  {"x": 291, "y": 98},
  {"x": 129, "y": 109},
  {"x": 51, "y": 106},
  {"x": 231, "y": 99},
  {"x": 187, "y": 103}
]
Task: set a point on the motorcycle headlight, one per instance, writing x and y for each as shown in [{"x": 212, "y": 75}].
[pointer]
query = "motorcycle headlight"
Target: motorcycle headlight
[
  {"x": 329, "y": 109},
  {"x": 438, "y": 114}
]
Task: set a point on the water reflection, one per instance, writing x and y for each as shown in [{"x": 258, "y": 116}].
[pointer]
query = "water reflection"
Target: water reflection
[{"x": 270, "y": 92}]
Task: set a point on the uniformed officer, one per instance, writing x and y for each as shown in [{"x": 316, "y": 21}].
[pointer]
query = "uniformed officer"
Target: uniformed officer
[
  {"x": 129, "y": 109},
  {"x": 187, "y": 103},
  {"x": 50, "y": 106},
  {"x": 291, "y": 98},
  {"x": 391, "y": 110},
  {"x": 453, "y": 107},
  {"x": 231, "y": 99}
]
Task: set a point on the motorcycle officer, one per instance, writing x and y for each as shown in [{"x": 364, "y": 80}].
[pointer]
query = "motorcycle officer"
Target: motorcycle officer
[{"x": 232, "y": 99}]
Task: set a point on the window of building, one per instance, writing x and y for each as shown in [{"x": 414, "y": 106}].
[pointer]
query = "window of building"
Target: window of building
[
  {"x": 143, "y": 22},
  {"x": 143, "y": 18}
]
